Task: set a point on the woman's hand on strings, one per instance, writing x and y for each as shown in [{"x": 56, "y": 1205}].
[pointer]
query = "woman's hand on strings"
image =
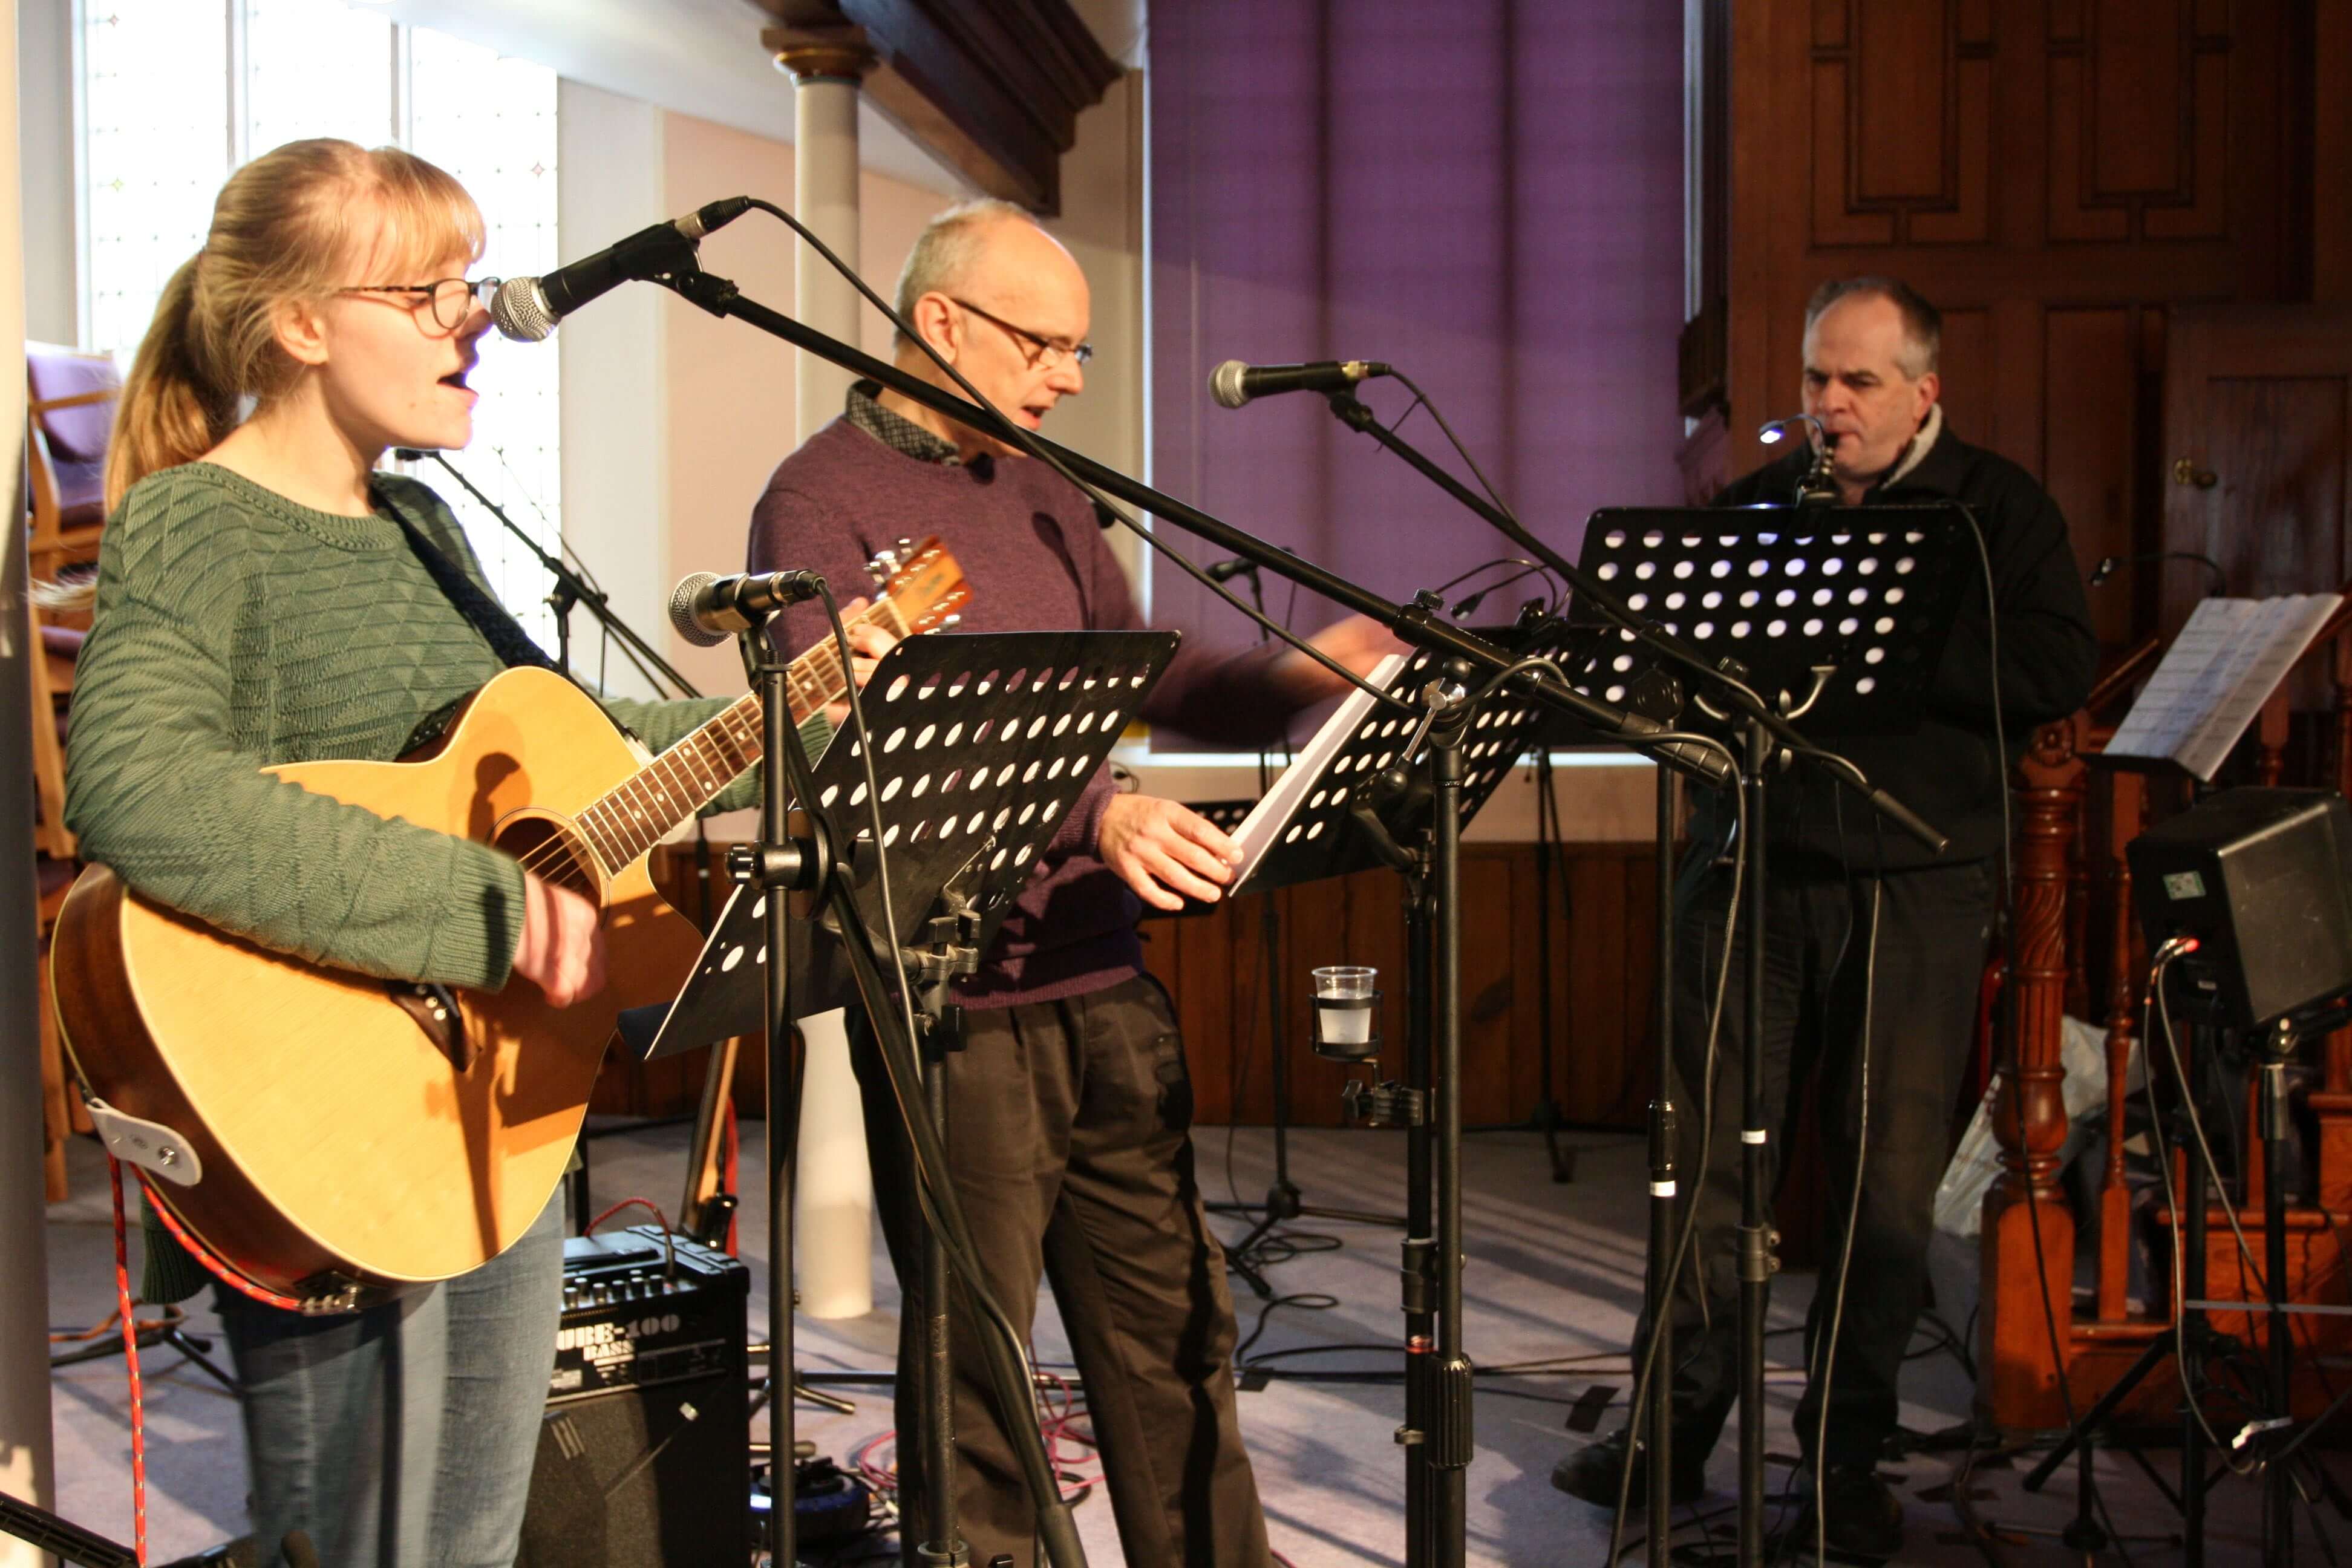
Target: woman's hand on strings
[{"x": 562, "y": 946}]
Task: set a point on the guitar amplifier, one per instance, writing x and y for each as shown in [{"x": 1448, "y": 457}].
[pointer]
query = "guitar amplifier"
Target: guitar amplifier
[{"x": 644, "y": 1457}]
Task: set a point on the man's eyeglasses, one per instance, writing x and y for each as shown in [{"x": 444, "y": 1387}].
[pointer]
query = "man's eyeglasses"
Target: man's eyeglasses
[
  {"x": 1042, "y": 353},
  {"x": 452, "y": 299}
]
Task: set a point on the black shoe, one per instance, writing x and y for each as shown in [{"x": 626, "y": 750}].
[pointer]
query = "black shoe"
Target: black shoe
[
  {"x": 1593, "y": 1472},
  {"x": 1862, "y": 1517}
]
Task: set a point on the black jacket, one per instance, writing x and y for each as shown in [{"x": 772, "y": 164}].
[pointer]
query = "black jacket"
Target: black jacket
[{"x": 1947, "y": 770}]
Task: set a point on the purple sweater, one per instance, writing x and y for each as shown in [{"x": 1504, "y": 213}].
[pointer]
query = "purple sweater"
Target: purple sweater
[{"x": 1032, "y": 547}]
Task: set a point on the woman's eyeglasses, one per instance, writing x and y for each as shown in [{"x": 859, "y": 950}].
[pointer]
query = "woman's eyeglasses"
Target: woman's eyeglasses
[{"x": 452, "y": 299}]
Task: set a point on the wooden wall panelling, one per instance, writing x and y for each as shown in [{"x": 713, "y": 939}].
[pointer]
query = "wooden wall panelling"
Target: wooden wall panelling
[
  {"x": 1493, "y": 1024},
  {"x": 2055, "y": 174},
  {"x": 2090, "y": 372},
  {"x": 1595, "y": 1000},
  {"x": 2257, "y": 397},
  {"x": 1599, "y": 970},
  {"x": 1375, "y": 936},
  {"x": 2331, "y": 152}
]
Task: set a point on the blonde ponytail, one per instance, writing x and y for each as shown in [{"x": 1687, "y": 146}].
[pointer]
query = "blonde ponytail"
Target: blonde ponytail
[{"x": 168, "y": 414}]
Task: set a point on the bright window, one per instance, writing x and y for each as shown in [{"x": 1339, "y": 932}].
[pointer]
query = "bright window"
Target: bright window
[{"x": 176, "y": 93}]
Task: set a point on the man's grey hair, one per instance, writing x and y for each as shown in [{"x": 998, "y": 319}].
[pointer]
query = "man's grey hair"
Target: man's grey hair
[
  {"x": 1922, "y": 324},
  {"x": 947, "y": 249}
]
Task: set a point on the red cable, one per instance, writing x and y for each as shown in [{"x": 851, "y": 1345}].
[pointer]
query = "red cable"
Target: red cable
[
  {"x": 131, "y": 1359},
  {"x": 624, "y": 1204},
  {"x": 202, "y": 1254}
]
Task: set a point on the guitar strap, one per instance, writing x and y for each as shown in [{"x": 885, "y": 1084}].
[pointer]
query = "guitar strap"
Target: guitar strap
[
  {"x": 505, "y": 634},
  {"x": 508, "y": 640}
]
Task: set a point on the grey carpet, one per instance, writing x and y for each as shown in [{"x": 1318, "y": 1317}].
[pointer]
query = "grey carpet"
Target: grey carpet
[{"x": 1554, "y": 1276}]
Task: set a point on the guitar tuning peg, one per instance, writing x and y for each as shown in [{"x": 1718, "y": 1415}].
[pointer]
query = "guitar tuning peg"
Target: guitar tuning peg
[
  {"x": 905, "y": 552},
  {"x": 879, "y": 570},
  {"x": 950, "y": 622}
]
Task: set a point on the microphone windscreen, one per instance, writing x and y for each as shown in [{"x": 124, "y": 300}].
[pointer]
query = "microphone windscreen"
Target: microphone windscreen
[
  {"x": 681, "y": 611},
  {"x": 1225, "y": 383},
  {"x": 521, "y": 311},
  {"x": 299, "y": 1553}
]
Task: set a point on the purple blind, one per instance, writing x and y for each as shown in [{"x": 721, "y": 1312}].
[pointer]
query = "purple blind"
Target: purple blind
[{"x": 1486, "y": 195}]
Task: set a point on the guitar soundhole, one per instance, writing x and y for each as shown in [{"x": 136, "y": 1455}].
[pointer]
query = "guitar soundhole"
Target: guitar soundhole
[{"x": 551, "y": 851}]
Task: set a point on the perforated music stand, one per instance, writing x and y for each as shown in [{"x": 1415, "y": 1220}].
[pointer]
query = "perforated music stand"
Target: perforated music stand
[
  {"x": 1005, "y": 728},
  {"x": 1305, "y": 829},
  {"x": 1867, "y": 593},
  {"x": 982, "y": 743},
  {"x": 1835, "y": 616}
]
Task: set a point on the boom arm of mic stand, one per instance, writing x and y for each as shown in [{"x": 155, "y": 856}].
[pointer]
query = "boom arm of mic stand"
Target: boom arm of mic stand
[
  {"x": 1411, "y": 624},
  {"x": 571, "y": 582},
  {"x": 1353, "y": 413}
]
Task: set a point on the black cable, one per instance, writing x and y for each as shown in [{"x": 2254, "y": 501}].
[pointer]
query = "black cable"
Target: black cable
[
  {"x": 2005, "y": 911},
  {"x": 965, "y": 1259},
  {"x": 1034, "y": 449},
  {"x": 1706, "y": 1092},
  {"x": 1425, "y": 401}
]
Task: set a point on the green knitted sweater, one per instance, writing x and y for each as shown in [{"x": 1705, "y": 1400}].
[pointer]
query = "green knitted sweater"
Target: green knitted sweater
[{"x": 234, "y": 629}]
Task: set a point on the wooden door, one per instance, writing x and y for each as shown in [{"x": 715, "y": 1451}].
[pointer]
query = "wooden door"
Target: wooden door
[{"x": 2257, "y": 450}]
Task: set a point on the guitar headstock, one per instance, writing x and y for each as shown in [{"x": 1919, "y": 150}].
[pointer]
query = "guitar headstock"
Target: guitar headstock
[{"x": 923, "y": 584}]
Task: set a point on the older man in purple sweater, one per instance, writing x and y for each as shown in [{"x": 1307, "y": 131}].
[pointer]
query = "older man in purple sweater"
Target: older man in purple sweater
[{"x": 1072, "y": 1106}]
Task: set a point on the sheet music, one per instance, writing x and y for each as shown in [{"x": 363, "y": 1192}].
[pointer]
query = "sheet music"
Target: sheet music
[
  {"x": 1262, "y": 830},
  {"x": 2216, "y": 677}
]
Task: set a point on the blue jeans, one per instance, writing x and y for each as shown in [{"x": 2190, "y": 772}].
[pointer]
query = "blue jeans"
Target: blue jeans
[{"x": 402, "y": 1437}]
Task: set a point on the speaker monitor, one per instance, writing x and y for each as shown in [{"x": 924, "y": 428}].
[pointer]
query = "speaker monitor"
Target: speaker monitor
[
  {"x": 2262, "y": 879},
  {"x": 644, "y": 1457}
]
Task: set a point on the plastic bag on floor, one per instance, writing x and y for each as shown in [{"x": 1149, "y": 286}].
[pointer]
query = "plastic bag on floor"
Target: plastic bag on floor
[{"x": 2082, "y": 1051}]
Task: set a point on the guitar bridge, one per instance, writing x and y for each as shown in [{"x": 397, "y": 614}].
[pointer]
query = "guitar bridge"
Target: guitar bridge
[{"x": 434, "y": 1010}]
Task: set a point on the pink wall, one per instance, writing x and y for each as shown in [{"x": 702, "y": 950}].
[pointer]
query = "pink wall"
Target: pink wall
[{"x": 727, "y": 388}]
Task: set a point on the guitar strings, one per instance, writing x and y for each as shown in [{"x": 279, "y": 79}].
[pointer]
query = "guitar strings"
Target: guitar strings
[{"x": 556, "y": 859}]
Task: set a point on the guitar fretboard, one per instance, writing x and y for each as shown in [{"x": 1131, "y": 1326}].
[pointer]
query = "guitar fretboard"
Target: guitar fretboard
[{"x": 642, "y": 812}]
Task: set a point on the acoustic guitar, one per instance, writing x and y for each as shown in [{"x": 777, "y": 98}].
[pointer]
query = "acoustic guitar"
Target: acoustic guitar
[{"x": 335, "y": 1139}]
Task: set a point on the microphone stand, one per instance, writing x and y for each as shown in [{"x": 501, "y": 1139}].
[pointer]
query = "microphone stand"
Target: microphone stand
[
  {"x": 1421, "y": 624},
  {"x": 570, "y": 589},
  {"x": 1761, "y": 734}
]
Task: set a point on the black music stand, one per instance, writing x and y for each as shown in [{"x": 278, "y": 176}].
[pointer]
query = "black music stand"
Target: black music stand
[
  {"x": 1350, "y": 803},
  {"x": 982, "y": 745},
  {"x": 1837, "y": 618}
]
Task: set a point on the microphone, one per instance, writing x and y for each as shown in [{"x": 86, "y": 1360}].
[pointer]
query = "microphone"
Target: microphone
[
  {"x": 1233, "y": 383},
  {"x": 1219, "y": 571},
  {"x": 299, "y": 1553},
  {"x": 1816, "y": 487},
  {"x": 527, "y": 309},
  {"x": 705, "y": 608}
]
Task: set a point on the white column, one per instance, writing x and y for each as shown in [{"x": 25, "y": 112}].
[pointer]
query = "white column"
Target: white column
[
  {"x": 826, "y": 68},
  {"x": 26, "y": 1457}
]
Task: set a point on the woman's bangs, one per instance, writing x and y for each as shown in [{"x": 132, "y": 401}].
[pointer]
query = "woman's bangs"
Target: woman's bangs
[{"x": 425, "y": 218}]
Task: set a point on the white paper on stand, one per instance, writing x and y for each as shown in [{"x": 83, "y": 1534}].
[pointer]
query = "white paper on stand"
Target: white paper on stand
[
  {"x": 1262, "y": 830},
  {"x": 2216, "y": 675},
  {"x": 833, "y": 1198}
]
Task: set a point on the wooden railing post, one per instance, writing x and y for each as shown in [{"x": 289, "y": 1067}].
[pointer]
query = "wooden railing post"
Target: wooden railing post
[
  {"x": 2028, "y": 1255},
  {"x": 2270, "y": 738}
]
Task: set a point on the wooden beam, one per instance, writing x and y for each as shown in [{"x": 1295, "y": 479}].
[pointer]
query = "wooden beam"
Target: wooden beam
[{"x": 993, "y": 91}]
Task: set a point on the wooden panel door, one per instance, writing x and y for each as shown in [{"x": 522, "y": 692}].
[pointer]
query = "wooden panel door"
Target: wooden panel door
[
  {"x": 2258, "y": 449},
  {"x": 2059, "y": 176}
]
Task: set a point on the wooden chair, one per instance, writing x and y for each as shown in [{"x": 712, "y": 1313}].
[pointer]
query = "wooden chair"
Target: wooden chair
[{"x": 69, "y": 414}]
